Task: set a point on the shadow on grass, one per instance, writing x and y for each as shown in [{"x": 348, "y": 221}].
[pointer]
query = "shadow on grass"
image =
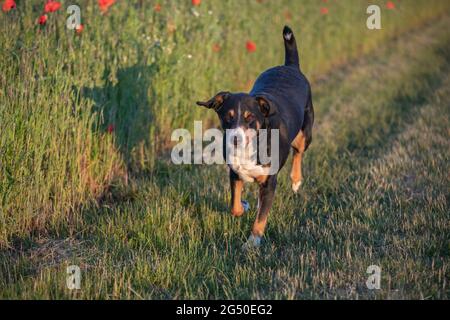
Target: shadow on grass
[{"x": 123, "y": 105}]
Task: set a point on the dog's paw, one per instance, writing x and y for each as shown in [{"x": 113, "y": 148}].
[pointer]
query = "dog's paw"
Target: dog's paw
[
  {"x": 253, "y": 242},
  {"x": 296, "y": 186},
  {"x": 246, "y": 205}
]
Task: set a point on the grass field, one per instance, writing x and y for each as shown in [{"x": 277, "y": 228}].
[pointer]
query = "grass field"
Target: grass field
[{"x": 85, "y": 179}]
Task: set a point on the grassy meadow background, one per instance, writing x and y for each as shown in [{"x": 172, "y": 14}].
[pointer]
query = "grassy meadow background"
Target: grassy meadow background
[{"x": 85, "y": 172}]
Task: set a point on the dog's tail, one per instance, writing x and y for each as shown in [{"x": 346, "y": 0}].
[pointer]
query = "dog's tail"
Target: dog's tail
[{"x": 291, "y": 52}]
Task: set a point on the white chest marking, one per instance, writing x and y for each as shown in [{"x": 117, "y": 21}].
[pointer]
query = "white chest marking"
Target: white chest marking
[{"x": 243, "y": 159}]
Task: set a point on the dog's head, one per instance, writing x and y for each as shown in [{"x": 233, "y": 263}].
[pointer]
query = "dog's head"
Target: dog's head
[{"x": 240, "y": 112}]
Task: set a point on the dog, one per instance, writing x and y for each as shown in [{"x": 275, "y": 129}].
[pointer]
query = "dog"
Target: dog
[{"x": 280, "y": 99}]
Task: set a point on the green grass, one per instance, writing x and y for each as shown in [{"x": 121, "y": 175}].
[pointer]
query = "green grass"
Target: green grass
[{"x": 376, "y": 188}]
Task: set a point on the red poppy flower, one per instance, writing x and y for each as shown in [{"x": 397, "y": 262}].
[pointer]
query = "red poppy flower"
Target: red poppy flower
[
  {"x": 52, "y": 6},
  {"x": 216, "y": 47},
  {"x": 157, "y": 7},
  {"x": 196, "y": 2},
  {"x": 8, "y": 5},
  {"x": 111, "y": 128},
  {"x": 105, "y": 4},
  {"x": 390, "y": 5},
  {"x": 79, "y": 29},
  {"x": 251, "y": 46},
  {"x": 323, "y": 10},
  {"x": 42, "y": 19},
  {"x": 288, "y": 15}
]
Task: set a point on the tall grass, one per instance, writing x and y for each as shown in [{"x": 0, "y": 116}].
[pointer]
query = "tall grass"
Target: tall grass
[{"x": 137, "y": 72}]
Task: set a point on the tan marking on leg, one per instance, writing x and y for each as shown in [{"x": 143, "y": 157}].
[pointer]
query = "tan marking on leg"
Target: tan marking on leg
[
  {"x": 259, "y": 226},
  {"x": 298, "y": 146},
  {"x": 237, "y": 209},
  {"x": 261, "y": 179}
]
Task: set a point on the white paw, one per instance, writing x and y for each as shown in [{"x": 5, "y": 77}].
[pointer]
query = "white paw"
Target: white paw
[
  {"x": 296, "y": 186},
  {"x": 252, "y": 243},
  {"x": 246, "y": 205}
]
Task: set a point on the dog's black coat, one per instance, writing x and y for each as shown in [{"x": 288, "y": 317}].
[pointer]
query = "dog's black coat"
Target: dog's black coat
[
  {"x": 287, "y": 89},
  {"x": 289, "y": 93}
]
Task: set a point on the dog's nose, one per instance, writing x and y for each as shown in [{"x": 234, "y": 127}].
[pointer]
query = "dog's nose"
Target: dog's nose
[{"x": 235, "y": 141}]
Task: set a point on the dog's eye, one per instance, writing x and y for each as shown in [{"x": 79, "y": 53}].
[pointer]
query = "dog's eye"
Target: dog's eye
[{"x": 248, "y": 116}]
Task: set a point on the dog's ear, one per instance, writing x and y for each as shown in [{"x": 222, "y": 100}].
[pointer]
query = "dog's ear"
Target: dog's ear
[
  {"x": 215, "y": 102},
  {"x": 266, "y": 107}
]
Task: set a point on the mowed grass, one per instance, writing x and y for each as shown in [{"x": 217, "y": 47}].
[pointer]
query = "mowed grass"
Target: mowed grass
[{"x": 376, "y": 192}]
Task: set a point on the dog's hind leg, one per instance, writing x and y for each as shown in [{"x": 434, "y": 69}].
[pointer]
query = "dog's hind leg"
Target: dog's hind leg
[
  {"x": 298, "y": 147},
  {"x": 300, "y": 144}
]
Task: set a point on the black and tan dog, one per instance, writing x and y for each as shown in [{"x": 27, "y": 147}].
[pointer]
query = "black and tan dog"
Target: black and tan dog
[{"x": 280, "y": 99}]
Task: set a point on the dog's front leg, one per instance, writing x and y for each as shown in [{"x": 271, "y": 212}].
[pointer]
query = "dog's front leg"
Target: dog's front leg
[
  {"x": 266, "y": 195},
  {"x": 237, "y": 209}
]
